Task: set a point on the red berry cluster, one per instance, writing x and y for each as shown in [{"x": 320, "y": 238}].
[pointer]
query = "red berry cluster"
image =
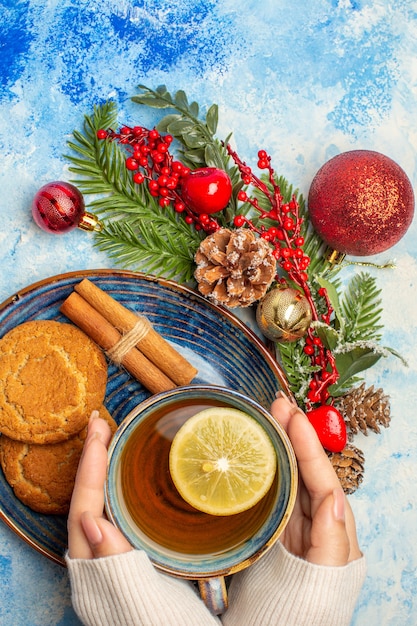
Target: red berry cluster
[
  {"x": 287, "y": 241},
  {"x": 149, "y": 160},
  {"x": 285, "y": 234}
]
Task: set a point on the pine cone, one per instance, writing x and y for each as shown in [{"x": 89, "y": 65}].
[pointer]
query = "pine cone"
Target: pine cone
[
  {"x": 234, "y": 267},
  {"x": 349, "y": 467},
  {"x": 365, "y": 408}
]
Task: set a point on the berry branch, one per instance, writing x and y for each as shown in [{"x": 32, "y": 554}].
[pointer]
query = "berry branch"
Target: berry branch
[
  {"x": 286, "y": 239},
  {"x": 149, "y": 160}
]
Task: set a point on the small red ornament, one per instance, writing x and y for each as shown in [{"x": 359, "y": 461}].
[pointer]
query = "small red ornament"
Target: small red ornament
[
  {"x": 329, "y": 426},
  {"x": 206, "y": 190},
  {"x": 361, "y": 202},
  {"x": 58, "y": 207}
]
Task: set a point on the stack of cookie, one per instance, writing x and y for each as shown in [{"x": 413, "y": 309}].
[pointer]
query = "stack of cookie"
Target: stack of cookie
[{"x": 52, "y": 376}]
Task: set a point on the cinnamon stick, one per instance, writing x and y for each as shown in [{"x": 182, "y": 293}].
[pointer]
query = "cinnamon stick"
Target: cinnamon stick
[
  {"x": 106, "y": 336},
  {"x": 152, "y": 345}
]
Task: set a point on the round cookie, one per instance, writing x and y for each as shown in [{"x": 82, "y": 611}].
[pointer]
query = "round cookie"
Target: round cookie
[
  {"x": 42, "y": 475},
  {"x": 52, "y": 375}
]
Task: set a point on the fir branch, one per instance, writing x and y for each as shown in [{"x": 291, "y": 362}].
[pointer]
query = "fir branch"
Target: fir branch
[
  {"x": 100, "y": 167},
  {"x": 297, "y": 367},
  {"x": 361, "y": 308},
  {"x": 137, "y": 232},
  {"x": 141, "y": 246}
]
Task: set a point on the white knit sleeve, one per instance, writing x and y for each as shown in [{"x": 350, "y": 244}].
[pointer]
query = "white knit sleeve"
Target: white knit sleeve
[
  {"x": 127, "y": 590},
  {"x": 284, "y": 590}
]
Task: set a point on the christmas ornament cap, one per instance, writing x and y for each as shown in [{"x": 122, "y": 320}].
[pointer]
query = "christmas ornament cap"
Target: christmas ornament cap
[
  {"x": 361, "y": 202},
  {"x": 58, "y": 207}
]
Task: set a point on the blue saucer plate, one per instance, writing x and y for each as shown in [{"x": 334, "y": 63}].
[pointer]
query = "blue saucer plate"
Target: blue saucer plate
[{"x": 223, "y": 349}]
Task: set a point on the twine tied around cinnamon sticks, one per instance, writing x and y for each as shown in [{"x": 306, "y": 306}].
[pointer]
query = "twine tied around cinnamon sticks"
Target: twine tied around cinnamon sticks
[{"x": 128, "y": 339}]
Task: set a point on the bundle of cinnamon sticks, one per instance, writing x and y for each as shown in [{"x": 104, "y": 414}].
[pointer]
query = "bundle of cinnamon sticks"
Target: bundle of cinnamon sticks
[{"x": 128, "y": 339}]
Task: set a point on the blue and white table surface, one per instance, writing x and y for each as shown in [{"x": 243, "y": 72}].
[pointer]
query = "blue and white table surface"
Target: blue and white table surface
[{"x": 303, "y": 80}]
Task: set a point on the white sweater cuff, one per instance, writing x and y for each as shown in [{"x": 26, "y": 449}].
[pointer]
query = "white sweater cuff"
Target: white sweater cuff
[
  {"x": 127, "y": 590},
  {"x": 284, "y": 589}
]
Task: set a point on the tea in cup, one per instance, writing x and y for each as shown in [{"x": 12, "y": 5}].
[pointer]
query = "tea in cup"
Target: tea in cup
[{"x": 143, "y": 502}]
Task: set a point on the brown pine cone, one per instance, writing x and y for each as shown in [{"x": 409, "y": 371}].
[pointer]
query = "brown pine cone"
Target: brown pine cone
[
  {"x": 349, "y": 467},
  {"x": 365, "y": 408},
  {"x": 234, "y": 267}
]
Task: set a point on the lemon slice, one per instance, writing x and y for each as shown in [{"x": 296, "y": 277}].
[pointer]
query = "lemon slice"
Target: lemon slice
[{"x": 222, "y": 461}]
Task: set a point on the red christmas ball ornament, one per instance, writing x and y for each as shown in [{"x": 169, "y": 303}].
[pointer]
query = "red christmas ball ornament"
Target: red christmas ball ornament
[
  {"x": 361, "y": 202},
  {"x": 206, "y": 190},
  {"x": 58, "y": 207}
]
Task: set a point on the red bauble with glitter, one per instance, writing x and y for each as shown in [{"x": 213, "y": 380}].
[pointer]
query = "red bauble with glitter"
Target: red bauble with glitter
[
  {"x": 58, "y": 207},
  {"x": 361, "y": 203}
]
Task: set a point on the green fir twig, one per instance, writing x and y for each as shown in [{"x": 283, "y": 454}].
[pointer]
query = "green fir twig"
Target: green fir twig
[{"x": 136, "y": 232}]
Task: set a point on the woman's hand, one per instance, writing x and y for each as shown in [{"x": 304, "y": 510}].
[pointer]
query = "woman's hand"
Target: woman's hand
[
  {"x": 90, "y": 535},
  {"x": 322, "y": 527}
]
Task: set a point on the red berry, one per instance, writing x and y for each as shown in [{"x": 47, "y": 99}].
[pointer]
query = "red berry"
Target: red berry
[
  {"x": 138, "y": 178},
  {"x": 329, "y": 426},
  {"x": 131, "y": 164},
  {"x": 171, "y": 183},
  {"x": 212, "y": 226},
  {"x": 179, "y": 207},
  {"x": 206, "y": 190},
  {"x": 101, "y": 134},
  {"x": 288, "y": 223},
  {"x": 238, "y": 221},
  {"x": 162, "y": 181},
  {"x": 177, "y": 167},
  {"x": 158, "y": 157}
]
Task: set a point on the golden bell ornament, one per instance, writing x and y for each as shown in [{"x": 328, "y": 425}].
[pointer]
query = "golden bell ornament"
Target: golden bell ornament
[{"x": 283, "y": 314}]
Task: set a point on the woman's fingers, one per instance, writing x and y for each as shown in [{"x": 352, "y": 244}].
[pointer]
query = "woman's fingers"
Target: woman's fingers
[
  {"x": 330, "y": 543},
  {"x": 88, "y": 490},
  {"x": 316, "y": 470},
  {"x": 321, "y": 483},
  {"x": 104, "y": 539}
]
